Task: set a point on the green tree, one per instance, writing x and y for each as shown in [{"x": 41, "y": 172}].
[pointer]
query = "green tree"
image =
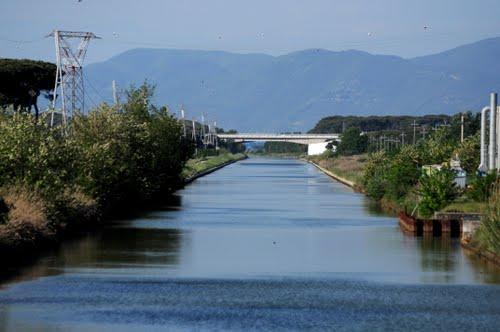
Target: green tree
[
  {"x": 353, "y": 142},
  {"x": 374, "y": 175},
  {"x": 403, "y": 172},
  {"x": 22, "y": 81},
  {"x": 469, "y": 152},
  {"x": 481, "y": 187},
  {"x": 436, "y": 190}
]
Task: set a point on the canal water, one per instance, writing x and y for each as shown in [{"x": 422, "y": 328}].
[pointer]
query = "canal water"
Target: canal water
[{"x": 263, "y": 244}]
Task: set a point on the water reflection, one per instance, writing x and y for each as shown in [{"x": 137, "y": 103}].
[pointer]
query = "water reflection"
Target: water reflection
[{"x": 233, "y": 249}]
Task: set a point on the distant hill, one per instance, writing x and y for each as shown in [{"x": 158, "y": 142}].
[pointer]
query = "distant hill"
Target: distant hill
[
  {"x": 338, "y": 123},
  {"x": 292, "y": 92}
]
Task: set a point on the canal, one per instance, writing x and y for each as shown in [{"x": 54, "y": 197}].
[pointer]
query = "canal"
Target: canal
[{"x": 263, "y": 244}]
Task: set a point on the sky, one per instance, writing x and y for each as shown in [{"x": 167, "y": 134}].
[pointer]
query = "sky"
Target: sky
[{"x": 252, "y": 26}]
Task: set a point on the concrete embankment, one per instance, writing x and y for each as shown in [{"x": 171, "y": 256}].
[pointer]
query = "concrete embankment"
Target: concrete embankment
[
  {"x": 212, "y": 169},
  {"x": 336, "y": 177}
]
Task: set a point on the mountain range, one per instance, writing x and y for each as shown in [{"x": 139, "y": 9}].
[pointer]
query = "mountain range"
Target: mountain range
[{"x": 258, "y": 92}]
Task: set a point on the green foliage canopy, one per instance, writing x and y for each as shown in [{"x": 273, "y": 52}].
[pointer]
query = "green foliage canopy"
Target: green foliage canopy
[
  {"x": 353, "y": 142},
  {"x": 115, "y": 156},
  {"x": 22, "y": 81},
  {"x": 437, "y": 190}
]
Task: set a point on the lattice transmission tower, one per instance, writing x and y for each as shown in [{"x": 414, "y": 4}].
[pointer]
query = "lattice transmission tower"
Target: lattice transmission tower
[{"x": 69, "y": 85}]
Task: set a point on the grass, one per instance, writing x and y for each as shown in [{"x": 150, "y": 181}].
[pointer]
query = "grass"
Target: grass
[
  {"x": 465, "y": 207},
  {"x": 198, "y": 165},
  {"x": 487, "y": 236},
  {"x": 348, "y": 167}
]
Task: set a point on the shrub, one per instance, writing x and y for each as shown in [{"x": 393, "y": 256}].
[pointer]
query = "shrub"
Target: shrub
[
  {"x": 108, "y": 156},
  {"x": 403, "y": 173},
  {"x": 481, "y": 187},
  {"x": 488, "y": 233},
  {"x": 353, "y": 142},
  {"x": 437, "y": 190},
  {"x": 374, "y": 179},
  {"x": 468, "y": 153}
]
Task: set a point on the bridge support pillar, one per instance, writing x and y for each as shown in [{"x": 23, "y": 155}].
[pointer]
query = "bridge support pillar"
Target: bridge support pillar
[{"x": 314, "y": 149}]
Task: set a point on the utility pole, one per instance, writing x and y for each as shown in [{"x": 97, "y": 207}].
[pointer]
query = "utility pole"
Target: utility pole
[
  {"x": 414, "y": 130},
  {"x": 115, "y": 95},
  {"x": 462, "y": 128},
  {"x": 202, "y": 133},
  {"x": 403, "y": 138},
  {"x": 69, "y": 72},
  {"x": 423, "y": 131},
  {"x": 216, "y": 138},
  {"x": 193, "y": 133},
  {"x": 183, "y": 121}
]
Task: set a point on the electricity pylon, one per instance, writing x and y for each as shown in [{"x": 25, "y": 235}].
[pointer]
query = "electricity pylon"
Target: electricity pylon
[{"x": 69, "y": 74}]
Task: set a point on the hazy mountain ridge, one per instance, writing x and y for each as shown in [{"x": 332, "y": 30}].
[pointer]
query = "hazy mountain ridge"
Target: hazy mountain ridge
[{"x": 294, "y": 91}]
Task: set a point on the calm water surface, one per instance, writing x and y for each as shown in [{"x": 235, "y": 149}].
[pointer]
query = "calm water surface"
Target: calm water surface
[{"x": 263, "y": 244}]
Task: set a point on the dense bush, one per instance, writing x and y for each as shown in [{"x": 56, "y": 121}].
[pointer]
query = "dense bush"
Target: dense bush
[
  {"x": 436, "y": 190},
  {"x": 488, "y": 234},
  {"x": 353, "y": 142},
  {"x": 374, "y": 179},
  {"x": 110, "y": 155},
  {"x": 481, "y": 187},
  {"x": 402, "y": 173},
  {"x": 469, "y": 153}
]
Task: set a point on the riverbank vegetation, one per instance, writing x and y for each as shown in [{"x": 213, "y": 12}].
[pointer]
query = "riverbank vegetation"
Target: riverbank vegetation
[
  {"x": 202, "y": 164},
  {"x": 350, "y": 168},
  {"x": 487, "y": 236},
  {"x": 112, "y": 158},
  {"x": 419, "y": 178}
]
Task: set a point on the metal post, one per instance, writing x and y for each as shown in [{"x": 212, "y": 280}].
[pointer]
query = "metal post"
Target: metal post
[
  {"x": 414, "y": 130},
  {"x": 115, "y": 95},
  {"x": 462, "y": 128},
  {"x": 183, "y": 122}
]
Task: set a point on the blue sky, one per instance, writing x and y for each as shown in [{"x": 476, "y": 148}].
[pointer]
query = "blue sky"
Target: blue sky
[{"x": 256, "y": 26}]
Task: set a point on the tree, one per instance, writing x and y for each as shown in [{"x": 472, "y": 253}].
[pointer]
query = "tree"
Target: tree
[
  {"x": 353, "y": 142},
  {"x": 468, "y": 153},
  {"x": 436, "y": 190},
  {"x": 22, "y": 81},
  {"x": 374, "y": 175},
  {"x": 403, "y": 172}
]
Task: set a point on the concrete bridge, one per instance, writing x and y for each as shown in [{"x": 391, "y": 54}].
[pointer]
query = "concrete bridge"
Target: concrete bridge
[{"x": 316, "y": 143}]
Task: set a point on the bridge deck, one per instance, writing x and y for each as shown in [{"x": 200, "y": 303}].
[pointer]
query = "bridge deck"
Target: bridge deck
[{"x": 297, "y": 138}]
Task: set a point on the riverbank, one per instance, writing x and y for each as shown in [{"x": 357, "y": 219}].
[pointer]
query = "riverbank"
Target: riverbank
[
  {"x": 30, "y": 232},
  {"x": 198, "y": 167},
  {"x": 349, "y": 171}
]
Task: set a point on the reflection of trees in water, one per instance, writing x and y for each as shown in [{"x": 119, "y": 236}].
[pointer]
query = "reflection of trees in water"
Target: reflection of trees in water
[
  {"x": 437, "y": 253},
  {"x": 119, "y": 246},
  {"x": 112, "y": 247},
  {"x": 483, "y": 269},
  {"x": 373, "y": 207}
]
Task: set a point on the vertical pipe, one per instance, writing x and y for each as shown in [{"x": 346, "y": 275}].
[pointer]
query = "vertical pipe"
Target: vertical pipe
[
  {"x": 498, "y": 138},
  {"x": 482, "y": 165},
  {"x": 493, "y": 134}
]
